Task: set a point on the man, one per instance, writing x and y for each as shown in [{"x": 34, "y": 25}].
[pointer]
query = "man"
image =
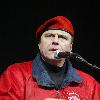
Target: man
[{"x": 47, "y": 77}]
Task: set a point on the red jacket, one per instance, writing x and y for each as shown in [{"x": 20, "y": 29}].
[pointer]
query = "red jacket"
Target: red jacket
[{"x": 21, "y": 82}]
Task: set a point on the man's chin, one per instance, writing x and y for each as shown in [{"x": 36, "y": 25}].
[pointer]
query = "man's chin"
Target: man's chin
[{"x": 53, "y": 59}]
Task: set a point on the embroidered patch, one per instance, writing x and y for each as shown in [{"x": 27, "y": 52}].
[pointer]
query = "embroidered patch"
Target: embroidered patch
[
  {"x": 53, "y": 99},
  {"x": 73, "y": 96}
]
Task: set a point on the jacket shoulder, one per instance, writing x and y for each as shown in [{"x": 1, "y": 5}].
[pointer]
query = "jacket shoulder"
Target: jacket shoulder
[
  {"x": 21, "y": 69},
  {"x": 87, "y": 78},
  {"x": 24, "y": 67}
]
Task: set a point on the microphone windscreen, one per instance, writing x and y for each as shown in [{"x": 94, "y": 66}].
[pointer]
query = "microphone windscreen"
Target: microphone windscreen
[{"x": 58, "y": 54}]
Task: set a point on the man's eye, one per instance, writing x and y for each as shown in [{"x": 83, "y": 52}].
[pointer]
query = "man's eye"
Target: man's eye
[
  {"x": 49, "y": 35},
  {"x": 63, "y": 37}
]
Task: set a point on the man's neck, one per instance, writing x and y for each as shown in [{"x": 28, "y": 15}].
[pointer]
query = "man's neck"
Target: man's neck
[{"x": 55, "y": 62}]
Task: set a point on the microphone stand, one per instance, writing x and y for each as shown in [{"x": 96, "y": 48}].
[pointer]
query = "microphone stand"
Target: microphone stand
[{"x": 78, "y": 58}]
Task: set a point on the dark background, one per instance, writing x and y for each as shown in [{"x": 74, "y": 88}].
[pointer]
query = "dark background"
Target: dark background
[{"x": 20, "y": 19}]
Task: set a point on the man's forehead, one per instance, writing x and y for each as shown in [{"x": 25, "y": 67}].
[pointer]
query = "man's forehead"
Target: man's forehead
[{"x": 59, "y": 32}]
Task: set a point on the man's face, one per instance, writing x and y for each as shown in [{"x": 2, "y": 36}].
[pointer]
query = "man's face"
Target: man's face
[{"x": 53, "y": 40}]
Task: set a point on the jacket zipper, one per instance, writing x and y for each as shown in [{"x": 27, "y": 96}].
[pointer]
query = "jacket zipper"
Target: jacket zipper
[{"x": 58, "y": 94}]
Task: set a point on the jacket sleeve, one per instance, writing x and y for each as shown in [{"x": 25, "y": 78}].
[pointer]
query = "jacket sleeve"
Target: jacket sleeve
[
  {"x": 96, "y": 93},
  {"x": 10, "y": 85}
]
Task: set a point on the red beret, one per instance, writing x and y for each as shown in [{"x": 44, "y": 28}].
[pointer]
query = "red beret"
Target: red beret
[{"x": 59, "y": 22}]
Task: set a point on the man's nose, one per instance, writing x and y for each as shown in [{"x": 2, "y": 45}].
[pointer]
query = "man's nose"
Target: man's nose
[{"x": 56, "y": 40}]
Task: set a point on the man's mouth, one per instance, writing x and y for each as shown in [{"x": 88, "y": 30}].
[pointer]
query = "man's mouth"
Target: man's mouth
[{"x": 53, "y": 49}]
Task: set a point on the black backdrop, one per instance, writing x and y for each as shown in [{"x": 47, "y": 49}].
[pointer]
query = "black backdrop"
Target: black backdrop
[{"x": 20, "y": 19}]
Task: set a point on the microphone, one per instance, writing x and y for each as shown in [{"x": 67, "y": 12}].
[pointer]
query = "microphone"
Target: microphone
[
  {"x": 70, "y": 55},
  {"x": 58, "y": 54}
]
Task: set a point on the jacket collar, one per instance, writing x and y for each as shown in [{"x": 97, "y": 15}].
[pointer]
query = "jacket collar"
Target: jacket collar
[{"x": 43, "y": 79}]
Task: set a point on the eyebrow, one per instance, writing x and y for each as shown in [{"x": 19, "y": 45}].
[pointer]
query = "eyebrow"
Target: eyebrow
[{"x": 48, "y": 33}]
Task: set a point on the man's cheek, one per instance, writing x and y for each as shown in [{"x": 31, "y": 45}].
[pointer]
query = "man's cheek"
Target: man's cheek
[{"x": 65, "y": 48}]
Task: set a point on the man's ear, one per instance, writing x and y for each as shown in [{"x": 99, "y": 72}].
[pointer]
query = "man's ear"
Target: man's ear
[
  {"x": 71, "y": 47},
  {"x": 39, "y": 46}
]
